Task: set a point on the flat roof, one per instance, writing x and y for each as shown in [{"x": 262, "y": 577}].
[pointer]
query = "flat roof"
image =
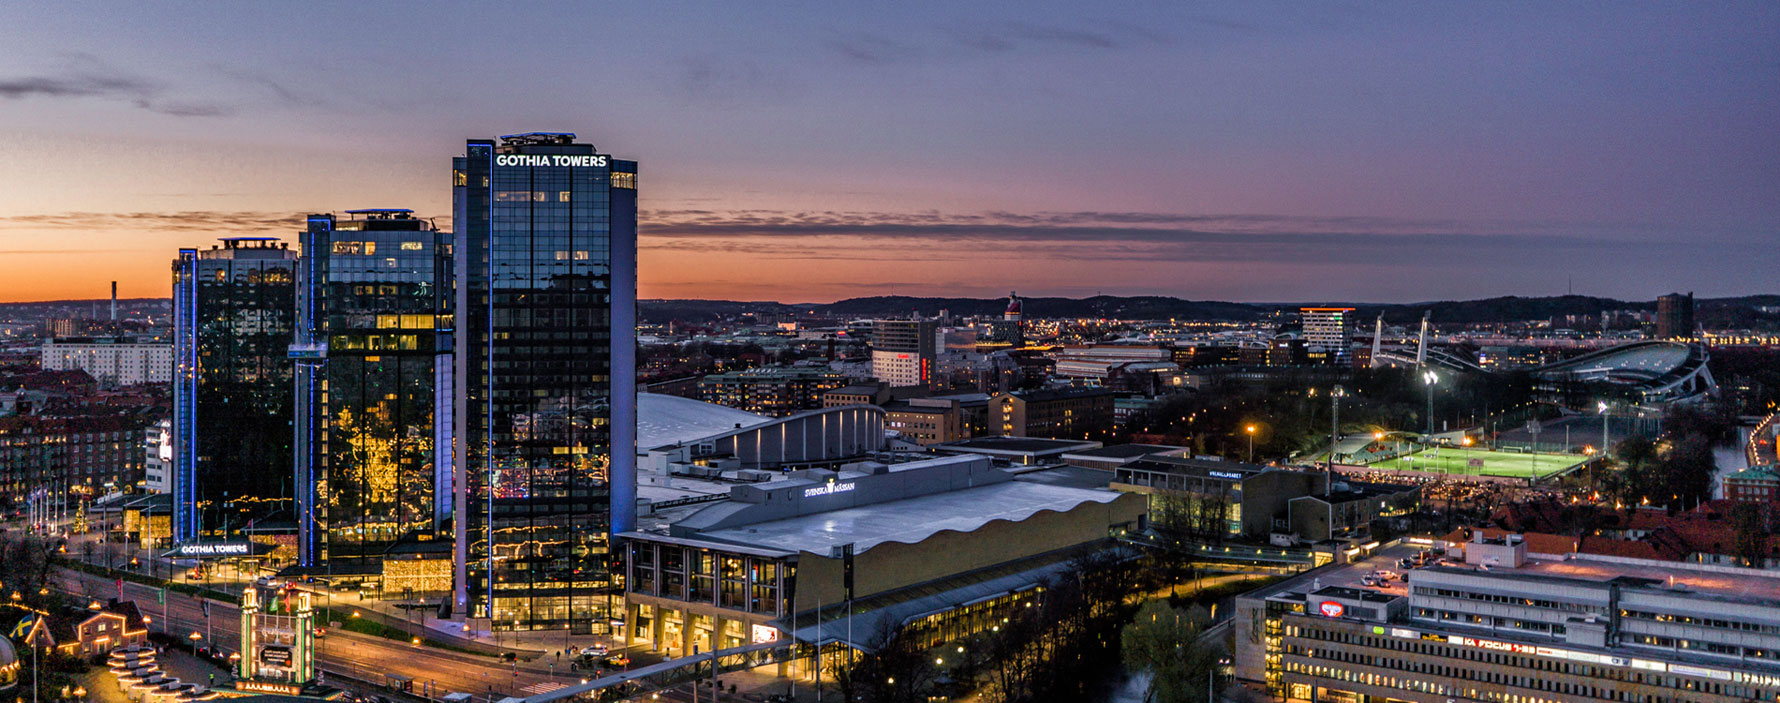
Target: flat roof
[
  {"x": 1195, "y": 467},
  {"x": 1743, "y": 585},
  {"x": 1124, "y": 451},
  {"x": 1020, "y": 445},
  {"x": 912, "y": 520}
]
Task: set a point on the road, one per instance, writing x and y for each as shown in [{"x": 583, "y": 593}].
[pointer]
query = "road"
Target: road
[{"x": 341, "y": 653}]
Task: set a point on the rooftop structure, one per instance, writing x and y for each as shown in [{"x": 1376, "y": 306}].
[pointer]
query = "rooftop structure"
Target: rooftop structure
[{"x": 1500, "y": 620}]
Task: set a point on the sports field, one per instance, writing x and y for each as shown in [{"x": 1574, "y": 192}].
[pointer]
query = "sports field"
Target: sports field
[{"x": 1482, "y": 462}]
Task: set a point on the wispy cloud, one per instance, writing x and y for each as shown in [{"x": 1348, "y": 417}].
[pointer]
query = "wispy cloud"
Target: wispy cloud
[
  {"x": 1113, "y": 236},
  {"x": 87, "y": 77},
  {"x": 222, "y": 221}
]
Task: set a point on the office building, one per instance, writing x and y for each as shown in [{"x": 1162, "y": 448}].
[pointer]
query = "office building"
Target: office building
[
  {"x": 373, "y": 374},
  {"x": 1504, "y": 624},
  {"x": 113, "y": 361},
  {"x": 1064, "y": 413},
  {"x": 157, "y": 457},
  {"x": 774, "y": 390},
  {"x": 233, "y": 316},
  {"x": 902, "y": 352},
  {"x": 1674, "y": 316},
  {"x": 1328, "y": 332},
  {"x": 907, "y": 545},
  {"x": 545, "y": 380}
]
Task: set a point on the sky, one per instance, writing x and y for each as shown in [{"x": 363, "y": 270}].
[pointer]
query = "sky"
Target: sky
[{"x": 808, "y": 152}]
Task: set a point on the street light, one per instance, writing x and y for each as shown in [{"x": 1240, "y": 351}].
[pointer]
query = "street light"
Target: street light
[{"x": 1251, "y": 444}]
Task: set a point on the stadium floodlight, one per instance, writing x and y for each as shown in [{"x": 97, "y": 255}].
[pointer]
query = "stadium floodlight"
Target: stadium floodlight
[
  {"x": 1430, "y": 378},
  {"x": 1602, "y": 405}
]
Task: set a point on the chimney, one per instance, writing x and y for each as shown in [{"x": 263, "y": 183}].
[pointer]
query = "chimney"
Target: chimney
[{"x": 114, "y": 301}]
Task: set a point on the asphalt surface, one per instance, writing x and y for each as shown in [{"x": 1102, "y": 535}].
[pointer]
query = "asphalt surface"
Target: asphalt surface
[{"x": 359, "y": 656}]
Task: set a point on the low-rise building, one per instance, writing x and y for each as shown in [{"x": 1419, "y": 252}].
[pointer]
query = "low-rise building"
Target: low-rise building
[
  {"x": 1112, "y": 457},
  {"x": 1056, "y": 413},
  {"x": 1018, "y": 451},
  {"x": 65, "y": 452},
  {"x": 775, "y": 391},
  {"x": 114, "y": 361},
  {"x": 1502, "y": 623},
  {"x": 1754, "y": 485},
  {"x": 934, "y": 546},
  {"x": 926, "y": 421},
  {"x": 1211, "y": 497}
]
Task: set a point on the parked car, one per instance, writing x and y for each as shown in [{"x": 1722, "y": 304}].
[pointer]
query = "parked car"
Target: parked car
[{"x": 598, "y": 650}]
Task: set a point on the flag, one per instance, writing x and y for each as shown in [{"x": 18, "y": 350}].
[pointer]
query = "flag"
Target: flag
[
  {"x": 161, "y": 596},
  {"x": 206, "y": 604},
  {"x": 120, "y": 589}
]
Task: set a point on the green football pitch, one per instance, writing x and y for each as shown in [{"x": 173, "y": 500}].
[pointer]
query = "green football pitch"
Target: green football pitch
[{"x": 1482, "y": 462}]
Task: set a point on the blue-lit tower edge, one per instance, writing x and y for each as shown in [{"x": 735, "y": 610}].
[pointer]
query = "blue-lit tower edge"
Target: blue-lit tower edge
[
  {"x": 309, "y": 355},
  {"x": 460, "y": 364},
  {"x": 185, "y": 396},
  {"x": 622, "y": 460}
]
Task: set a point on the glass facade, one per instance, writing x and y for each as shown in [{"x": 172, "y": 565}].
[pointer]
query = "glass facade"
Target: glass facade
[
  {"x": 545, "y": 371},
  {"x": 232, "y": 322},
  {"x": 373, "y": 394}
]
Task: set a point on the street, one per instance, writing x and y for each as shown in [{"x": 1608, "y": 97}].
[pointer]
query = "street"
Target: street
[{"x": 359, "y": 656}]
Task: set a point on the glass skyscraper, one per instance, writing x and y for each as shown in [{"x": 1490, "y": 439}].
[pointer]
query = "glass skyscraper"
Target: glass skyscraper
[
  {"x": 373, "y": 385},
  {"x": 546, "y": 380},
  {"x": 232, "y": 321}
]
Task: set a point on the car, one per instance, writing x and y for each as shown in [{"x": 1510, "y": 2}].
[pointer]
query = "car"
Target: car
[
  {"x": 617, "y": 661},
  {"x": 1371, "y": 581},
  {"x": 1385, "y": 574},
  {"x": 598, "y": 650},
  {"x": 1405, "y": 563},
  {"x": 509, "y": 656},
  {"x": 269, "y": 582}
]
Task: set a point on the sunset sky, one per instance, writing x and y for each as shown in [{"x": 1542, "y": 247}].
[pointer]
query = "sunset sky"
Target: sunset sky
[{"x": 1386, "y": 152}]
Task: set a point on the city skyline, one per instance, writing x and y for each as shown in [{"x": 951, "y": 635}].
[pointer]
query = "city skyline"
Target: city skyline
[{"x": 1384, "y": 152}]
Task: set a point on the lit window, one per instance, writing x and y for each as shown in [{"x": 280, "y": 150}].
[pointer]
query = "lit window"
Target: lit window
[
  {"x": 627, "y": 181},
  {"x": 413, "y": 246}
]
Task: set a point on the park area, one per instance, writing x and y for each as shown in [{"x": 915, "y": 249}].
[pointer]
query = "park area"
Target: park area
[{"x": 1482, "y": 462}]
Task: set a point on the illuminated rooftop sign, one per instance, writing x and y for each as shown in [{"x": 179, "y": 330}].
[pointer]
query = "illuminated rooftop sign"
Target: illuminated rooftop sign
[
  {"x": 828, "y": 488},
  {"x": 581, "y": 160}
]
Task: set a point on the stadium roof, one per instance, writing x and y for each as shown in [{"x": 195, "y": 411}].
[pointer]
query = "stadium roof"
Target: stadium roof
[{"x": 666, "y": 419}]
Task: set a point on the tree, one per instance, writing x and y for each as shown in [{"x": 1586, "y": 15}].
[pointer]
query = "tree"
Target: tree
[
  {"x": 1164, "y": 641},
  {"x": 1752, "y": 535},
  {"x": 896, "y": 668}
]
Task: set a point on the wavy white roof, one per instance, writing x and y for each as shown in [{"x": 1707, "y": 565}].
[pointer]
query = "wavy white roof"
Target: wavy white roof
[{"x": 669, "y": 419}]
